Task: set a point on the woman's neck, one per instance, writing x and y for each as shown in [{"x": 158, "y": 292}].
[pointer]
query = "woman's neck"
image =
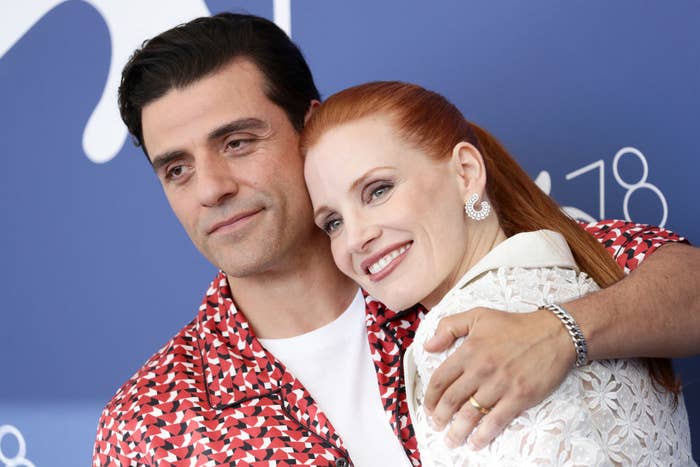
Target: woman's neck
[{"x": 482, "y": 237}]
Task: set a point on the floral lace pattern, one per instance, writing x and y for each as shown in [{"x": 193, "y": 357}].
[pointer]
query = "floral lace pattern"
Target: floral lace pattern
[{"x": 607, "y": 413}]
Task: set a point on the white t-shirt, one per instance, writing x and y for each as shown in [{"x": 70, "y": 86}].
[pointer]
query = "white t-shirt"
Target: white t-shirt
[{"x": 335, "y": 365}]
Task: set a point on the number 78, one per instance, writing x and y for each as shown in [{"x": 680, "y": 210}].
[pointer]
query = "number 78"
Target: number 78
[{"x": 631, "y": 187}]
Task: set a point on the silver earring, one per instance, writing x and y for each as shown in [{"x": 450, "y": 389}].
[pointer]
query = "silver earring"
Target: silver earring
[{"x": 482, "y": 213}]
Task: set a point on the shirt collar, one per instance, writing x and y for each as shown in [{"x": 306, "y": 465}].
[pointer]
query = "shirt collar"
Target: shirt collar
[
  {"x": 538, "y": 249},
  {"x": 378, "y": 314},
  {"x": 236, "y": 365}
]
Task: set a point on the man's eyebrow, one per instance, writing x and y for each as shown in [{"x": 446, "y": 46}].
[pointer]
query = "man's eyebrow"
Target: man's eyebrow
[
  {"x": 237, "y": 125},
  {"x": 165, "y": 158},
  {"x": 231, "y": 127}
]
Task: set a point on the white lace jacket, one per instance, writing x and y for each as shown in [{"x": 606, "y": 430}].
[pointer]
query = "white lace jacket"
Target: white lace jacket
[{"x": 607, "y": 413}]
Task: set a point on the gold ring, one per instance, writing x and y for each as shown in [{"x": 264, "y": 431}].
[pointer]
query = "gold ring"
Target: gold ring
[{"x": 482, "y": 410}]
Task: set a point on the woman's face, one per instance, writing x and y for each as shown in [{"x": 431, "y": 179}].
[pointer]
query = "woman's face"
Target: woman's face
[{"x": 394, "y": 215}]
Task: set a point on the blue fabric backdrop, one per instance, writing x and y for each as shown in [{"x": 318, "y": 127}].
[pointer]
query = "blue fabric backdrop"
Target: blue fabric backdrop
[{"x": 98, "y": 273}]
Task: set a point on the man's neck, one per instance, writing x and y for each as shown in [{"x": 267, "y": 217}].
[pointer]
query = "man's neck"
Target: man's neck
[{"x": 306, "y": 292}]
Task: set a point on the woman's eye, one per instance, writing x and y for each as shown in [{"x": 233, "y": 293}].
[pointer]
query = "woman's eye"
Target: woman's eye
[
  {"x": 332, "y": 225},
  {"x": 379, "y": 191}
]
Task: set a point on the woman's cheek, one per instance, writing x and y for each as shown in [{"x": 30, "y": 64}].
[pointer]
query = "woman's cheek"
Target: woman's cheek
[{"x": 342, "y": 258}]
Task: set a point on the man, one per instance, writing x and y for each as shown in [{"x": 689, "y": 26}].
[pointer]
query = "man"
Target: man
[{"x": 286, "y": 361}]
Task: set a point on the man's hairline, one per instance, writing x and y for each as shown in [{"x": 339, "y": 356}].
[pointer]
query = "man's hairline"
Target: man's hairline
[{"x": 266, "y": 88}]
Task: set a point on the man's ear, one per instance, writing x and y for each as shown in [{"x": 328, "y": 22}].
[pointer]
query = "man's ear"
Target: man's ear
[
  {"x": 470, "y": 168},
  {"x": 312, "y": 108}
]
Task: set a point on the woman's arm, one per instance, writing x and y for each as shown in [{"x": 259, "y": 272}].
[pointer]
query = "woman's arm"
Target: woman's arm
[{"x": 511, "y": 362}]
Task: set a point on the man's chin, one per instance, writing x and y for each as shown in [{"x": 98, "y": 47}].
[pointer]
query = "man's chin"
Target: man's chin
[{"x": 247, "y": 265}]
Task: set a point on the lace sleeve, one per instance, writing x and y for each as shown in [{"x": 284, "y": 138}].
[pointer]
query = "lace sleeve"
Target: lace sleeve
[{"x": 606, "y": 413}]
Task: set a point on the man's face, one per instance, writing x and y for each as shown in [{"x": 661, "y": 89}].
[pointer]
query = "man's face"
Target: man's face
[{"x": 229, "y": 163}]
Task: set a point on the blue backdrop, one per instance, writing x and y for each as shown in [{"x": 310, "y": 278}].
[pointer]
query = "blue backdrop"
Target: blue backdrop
[{"x": 598, "y": 100}]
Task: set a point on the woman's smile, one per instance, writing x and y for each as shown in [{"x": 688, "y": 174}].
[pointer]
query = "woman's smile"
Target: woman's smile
[{"x": 380, "y": 265}]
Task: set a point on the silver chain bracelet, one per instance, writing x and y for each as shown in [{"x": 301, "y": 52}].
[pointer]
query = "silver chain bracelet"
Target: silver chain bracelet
[{"x": 574, "y": 331}]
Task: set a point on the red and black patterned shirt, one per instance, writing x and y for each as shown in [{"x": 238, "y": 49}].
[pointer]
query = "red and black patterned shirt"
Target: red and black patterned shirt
[{"x": 214, "y": 396}]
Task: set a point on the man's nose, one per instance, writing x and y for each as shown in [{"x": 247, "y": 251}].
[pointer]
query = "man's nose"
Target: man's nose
[{"x": 215, "y": 181}]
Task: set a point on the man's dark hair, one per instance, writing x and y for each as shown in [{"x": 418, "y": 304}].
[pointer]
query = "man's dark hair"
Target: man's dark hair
[{"x": 180, "y": 56}]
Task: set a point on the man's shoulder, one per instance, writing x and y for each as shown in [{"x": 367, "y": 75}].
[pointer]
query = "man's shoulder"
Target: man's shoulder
[
  {"x": 178, "y": 359},
  {"x": 168, "y": 383},
  {"x": 173, "y": 374}
]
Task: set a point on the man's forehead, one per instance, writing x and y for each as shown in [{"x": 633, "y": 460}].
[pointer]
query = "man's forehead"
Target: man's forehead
[
  {"x": 239, "y": 83},
  {"x": 235, "y": 92}
]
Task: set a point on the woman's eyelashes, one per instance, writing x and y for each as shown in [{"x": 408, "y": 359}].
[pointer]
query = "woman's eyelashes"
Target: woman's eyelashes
[
  {"x": 377, "y": 190},
  {"x": 372, "y": 192},
  {"x": 331, "y": 225}
]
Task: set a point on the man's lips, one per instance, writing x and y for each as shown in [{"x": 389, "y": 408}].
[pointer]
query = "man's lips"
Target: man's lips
[{"x": 233, "y": 221}]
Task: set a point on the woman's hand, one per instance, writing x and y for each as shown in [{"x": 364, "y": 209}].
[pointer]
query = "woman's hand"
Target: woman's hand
[{"x": 508, "y": 363}]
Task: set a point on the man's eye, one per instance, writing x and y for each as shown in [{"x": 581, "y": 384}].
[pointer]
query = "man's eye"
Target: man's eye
[
  {"x": 332, "y": 225},
  {"x": 237, "y": 144},
  {"x": 175, "y": 172}
]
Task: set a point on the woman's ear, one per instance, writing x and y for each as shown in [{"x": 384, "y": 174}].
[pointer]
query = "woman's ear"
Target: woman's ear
[
  {"x": 312, "y": 108},
  {"x": 471, "y": 171}
]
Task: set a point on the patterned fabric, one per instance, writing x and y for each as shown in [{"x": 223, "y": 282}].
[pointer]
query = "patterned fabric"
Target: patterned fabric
[
  {"x": 607, "y": 413},
  {"x": 630, "y": 243},
  {"x": 214, "y": 396}
]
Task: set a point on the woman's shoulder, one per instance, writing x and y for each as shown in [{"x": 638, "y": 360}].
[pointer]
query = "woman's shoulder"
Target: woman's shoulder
[{"x": 517, "y": 289}]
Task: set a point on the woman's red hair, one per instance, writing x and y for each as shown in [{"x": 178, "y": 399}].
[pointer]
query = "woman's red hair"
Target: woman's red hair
[{"x": 434, "y": 125}]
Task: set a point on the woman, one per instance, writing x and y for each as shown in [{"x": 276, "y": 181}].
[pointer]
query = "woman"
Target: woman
[{"x": 422, "y": 206}]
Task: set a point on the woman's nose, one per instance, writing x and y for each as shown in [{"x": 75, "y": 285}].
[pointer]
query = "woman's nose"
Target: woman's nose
[{"x": 361, "y": 235}]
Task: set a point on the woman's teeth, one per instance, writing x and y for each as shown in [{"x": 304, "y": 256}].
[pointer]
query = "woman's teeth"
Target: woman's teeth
[{"x": 385, "y": 260}]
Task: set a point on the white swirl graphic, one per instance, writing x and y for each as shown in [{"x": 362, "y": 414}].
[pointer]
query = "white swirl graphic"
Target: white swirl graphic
[
  {"x": 104, "y": 134},
  {"x": 19, "y": 459}
]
